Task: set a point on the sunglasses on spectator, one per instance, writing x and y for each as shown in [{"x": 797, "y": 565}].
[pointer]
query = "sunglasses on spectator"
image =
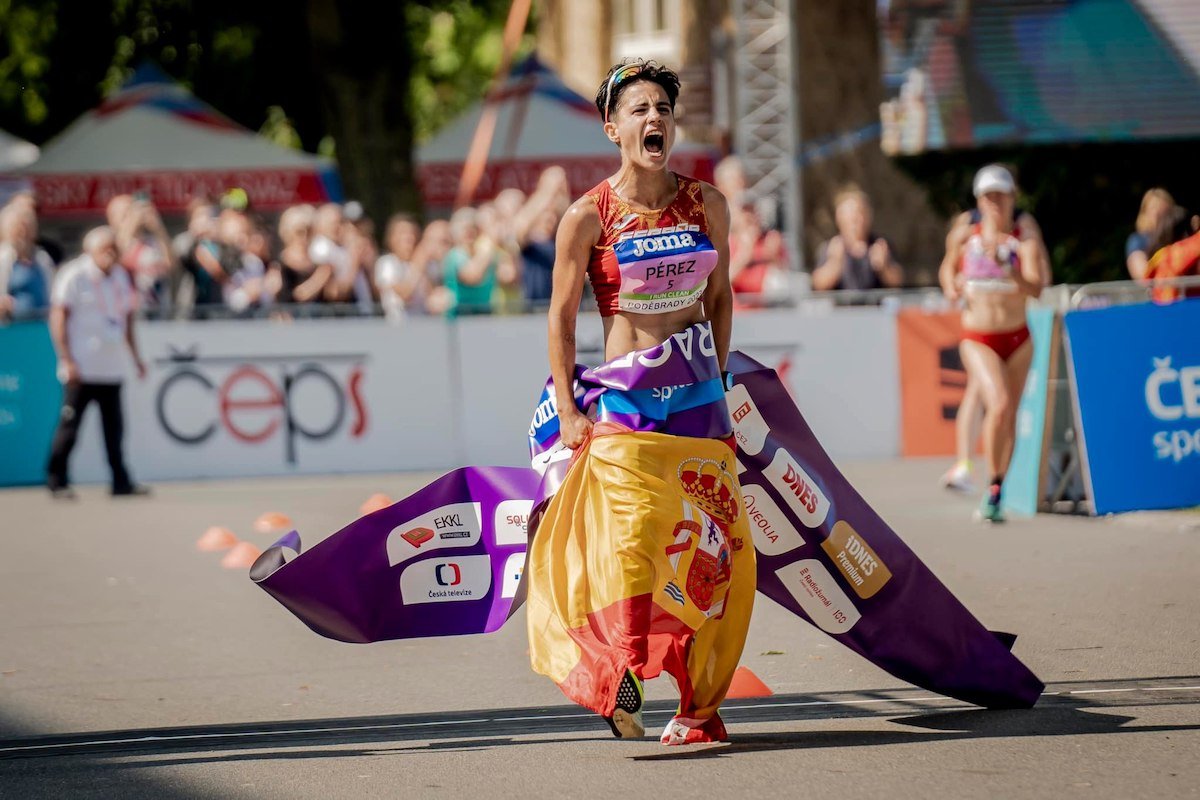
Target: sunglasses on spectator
[{"x": 618, "y": 77}]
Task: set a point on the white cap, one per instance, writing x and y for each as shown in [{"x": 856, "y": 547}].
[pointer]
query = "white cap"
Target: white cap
[{"x": 994, "y": 178}]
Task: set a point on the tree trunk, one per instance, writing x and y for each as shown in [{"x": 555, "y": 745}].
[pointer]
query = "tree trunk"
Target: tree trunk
[
  {"x": 841, "y": 88},
  {"x": 361, "y": 54}
]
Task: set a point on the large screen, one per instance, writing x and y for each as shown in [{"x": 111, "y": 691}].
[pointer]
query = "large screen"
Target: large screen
[{"x": 969, "y": 73}]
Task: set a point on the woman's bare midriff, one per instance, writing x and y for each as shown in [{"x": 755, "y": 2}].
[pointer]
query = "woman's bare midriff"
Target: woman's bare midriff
[
  {"x": 625, "y": 332},
  {"x": 993, "y": 312}
]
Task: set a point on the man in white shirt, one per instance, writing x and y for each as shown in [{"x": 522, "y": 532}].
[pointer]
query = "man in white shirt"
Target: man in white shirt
[{"x": 91, "y": 324}]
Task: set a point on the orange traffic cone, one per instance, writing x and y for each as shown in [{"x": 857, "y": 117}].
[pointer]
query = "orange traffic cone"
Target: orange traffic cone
[
  {"x": 746, "y": 684},
  {"x": 216, "y": 539},
  {"x": 242, "y": 556},
  {"x": 272, "y": 522},
  {"x": 374, "y": 503}
]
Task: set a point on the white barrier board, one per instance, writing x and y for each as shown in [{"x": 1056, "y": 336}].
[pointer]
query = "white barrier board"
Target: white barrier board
[
  {"x": 244, "y": 398},
  {"x": 228, "y": 399}
]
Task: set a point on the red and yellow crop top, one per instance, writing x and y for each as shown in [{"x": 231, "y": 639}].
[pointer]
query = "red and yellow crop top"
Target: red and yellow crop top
[{"x": 651, "y": 262}]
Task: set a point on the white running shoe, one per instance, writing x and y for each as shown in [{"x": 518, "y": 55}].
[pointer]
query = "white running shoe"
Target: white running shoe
[{"x": 958, "y": 478}]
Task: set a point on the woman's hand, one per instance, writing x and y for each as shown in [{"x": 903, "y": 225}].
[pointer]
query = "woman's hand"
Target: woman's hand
[{"x": 574, "y": 428}]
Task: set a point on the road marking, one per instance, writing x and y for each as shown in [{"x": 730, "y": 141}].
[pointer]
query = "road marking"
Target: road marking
[{"x": 273, "y": 735}]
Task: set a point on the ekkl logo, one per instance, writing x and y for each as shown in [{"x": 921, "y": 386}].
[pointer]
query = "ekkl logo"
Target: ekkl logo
[
  {"x": 304, "y": 398},
  {"x": 417, "y": 536},
  {"x": 448, "y": 574}
]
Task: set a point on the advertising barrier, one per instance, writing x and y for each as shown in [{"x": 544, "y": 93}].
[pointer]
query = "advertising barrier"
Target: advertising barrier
[
  {"x": 932, "y": 380},
  {"x": 30, "y": 397},
  {"x": 256, "y": 397},
  {"x": 1135, "y": 371},
  {"x": 1024, "y": 484}
]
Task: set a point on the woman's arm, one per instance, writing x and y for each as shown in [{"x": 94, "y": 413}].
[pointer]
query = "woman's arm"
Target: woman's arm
[
  {"x": 577, "y": 235},
  {"x": 1136, "y": 262},
  {"x": 1034, "y": 274},
  {"x": 948, "y": 271},
  {"x": 314, "y": 285},
  {"x": 718, "y": 295},
  {"x": 828, "y": 273}
]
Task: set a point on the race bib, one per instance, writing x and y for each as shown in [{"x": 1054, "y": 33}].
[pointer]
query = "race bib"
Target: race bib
[{"x": 664, "y": 269}]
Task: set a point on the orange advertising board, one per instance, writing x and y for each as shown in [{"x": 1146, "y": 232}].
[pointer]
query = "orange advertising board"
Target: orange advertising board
[{"x": 932, "y": 380}]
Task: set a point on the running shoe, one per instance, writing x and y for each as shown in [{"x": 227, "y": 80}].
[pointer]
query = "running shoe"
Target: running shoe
[
  {"x": 626, "y": 721},
  {"x": 958, "y": 478},
  {"x": 990, "y": 510},
  {"x": 682, "y": 730}
]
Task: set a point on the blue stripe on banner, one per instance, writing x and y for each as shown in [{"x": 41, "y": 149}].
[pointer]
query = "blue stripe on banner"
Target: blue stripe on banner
[{"x": 662, "y": 402}]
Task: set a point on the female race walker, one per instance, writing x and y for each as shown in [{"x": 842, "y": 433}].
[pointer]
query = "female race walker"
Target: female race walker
[
  {"x": 995, "y": 262},
  {"x": 643, "y": 562}
]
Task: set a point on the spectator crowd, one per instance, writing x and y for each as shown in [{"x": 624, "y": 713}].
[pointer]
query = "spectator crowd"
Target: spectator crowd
[
  {"x": 230, "y": 261},
  {"x": 496, "y": 257}
]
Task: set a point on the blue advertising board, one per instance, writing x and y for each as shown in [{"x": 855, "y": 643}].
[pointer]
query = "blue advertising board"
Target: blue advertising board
[
  {"x": 1136, "y": 377},
  {"x": 30, "y": 397},
  {"x": 1023, "y": 481}
]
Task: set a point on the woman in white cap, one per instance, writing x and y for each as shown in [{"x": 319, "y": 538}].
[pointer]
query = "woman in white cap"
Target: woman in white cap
[{"x": 995, "y": 260}]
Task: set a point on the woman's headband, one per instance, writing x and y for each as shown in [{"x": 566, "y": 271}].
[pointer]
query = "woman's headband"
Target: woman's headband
[{"x": 619, "y": 75}]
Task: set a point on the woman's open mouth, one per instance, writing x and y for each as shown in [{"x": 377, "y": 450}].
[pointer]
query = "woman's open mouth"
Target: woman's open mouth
[{"x": 654, "y": 143}]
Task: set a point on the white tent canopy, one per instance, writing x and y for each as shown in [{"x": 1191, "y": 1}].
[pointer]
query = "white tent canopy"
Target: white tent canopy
[
  {"x": 15, "y": 153},
  {"x": 155, "y": 136},
  {"x": 539, "y": 123}
]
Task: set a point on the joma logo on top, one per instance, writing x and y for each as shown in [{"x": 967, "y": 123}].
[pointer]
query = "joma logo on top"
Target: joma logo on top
[{"x": 658, "y": 244}]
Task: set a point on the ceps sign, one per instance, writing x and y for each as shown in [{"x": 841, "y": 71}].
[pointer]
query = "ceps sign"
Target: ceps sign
[{"x": 256, "y": 399}]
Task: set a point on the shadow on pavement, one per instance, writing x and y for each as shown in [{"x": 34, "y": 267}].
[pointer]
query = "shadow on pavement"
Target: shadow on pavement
[{"x": 1076, "y": 718}]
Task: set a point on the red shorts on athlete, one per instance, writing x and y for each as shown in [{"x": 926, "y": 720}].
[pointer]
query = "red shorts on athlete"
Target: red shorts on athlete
[{"x": 1003, "y": 343}]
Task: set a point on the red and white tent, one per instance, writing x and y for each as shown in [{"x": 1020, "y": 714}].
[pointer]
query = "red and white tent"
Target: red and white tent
[
  {"x": 15, "y": 153},
  {"x": 539, "y": 123},
  {"x": 155, "y": 136}
]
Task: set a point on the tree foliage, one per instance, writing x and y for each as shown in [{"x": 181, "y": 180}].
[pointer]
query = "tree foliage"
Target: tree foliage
[{"x": 303, "y": 73}]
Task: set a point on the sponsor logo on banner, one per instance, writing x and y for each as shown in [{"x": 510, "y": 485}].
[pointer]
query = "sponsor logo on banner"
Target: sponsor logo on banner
[
  {"x": 512, "y": 522},
  {"x": 417, "y": 536},
  {"x": 772, "y": 532},
  {"x": 446, "y": 580},
  {"x": 689, "y": 342},
  {"x": 455, "y": 525},
  {"x": 749, "y": 427},
  {"x": 798, "y": 489},
  {"x": 819, "y": 595},
  {"x": 254, "y": 399},
  {"x": 1173, "y": 395},
  {"x": 514, "y": 567},
  {"x": 860, "y": 564},
  {"x": 546, "y": 412},
  {"x": 710, "y": 486}
]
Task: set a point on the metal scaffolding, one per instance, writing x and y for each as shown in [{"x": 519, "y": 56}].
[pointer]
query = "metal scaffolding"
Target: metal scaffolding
[{"x": 768, "y": 120}]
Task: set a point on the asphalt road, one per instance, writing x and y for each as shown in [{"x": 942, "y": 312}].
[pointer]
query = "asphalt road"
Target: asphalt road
[{"x": 133, "y": 666}]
